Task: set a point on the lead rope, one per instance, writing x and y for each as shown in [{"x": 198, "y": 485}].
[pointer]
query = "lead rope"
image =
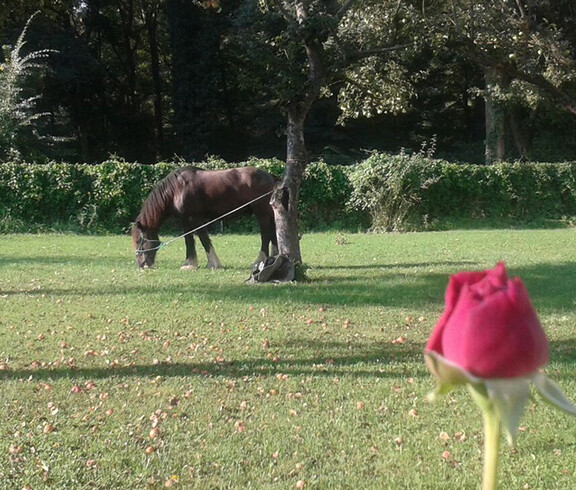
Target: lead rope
[{"x": 163, "y": 244}]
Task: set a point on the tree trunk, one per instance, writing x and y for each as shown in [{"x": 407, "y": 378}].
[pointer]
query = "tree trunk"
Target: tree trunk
[
  {"x": 518, "y": 134},
  {"x": 495, "y": 120},
  {"x": 129, "y": 62},
  {"x": 284, "y": 200},
  {"x": 151, "y": 28}
]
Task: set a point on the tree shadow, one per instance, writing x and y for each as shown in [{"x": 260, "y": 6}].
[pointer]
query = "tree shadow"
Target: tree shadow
[
  {"x": 551, "y": 286},
  {"x": 345, "y": 291},
  {"x": 55, "y": 260},
  {"x": 378, "y": 360},
  {"x": 397, "y": 265},
  {"x": 367, "y": 360},
  {"x": 563, "y": 351}
]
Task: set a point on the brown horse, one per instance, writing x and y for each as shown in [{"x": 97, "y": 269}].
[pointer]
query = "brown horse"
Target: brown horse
[{"x": 195, "y": 197}]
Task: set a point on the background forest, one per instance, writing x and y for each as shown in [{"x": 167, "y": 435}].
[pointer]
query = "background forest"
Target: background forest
[{"x": 148, "y": 80}]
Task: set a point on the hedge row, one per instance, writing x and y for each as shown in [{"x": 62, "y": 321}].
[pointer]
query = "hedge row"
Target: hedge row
[
  {"x": 385, "y": 192},
  {"x": 107, "y": 197}
]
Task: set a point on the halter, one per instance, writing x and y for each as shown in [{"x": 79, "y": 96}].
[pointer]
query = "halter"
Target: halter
[
  {"x": 161, "y": 244},
  {"x": 140, "y": 250}
]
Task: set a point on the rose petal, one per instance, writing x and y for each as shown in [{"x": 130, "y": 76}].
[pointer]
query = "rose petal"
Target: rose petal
[
  {"x": 455, "y": 285},
  {"x": 494, "y": 280},
  {"x": 457, "y": 282},
  {"x": 498, "y": 337}
]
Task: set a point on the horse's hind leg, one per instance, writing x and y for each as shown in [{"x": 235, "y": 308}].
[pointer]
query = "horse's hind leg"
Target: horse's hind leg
[
  {"x": 213, "y": 260},
  {"x": 191, "y": 257}
]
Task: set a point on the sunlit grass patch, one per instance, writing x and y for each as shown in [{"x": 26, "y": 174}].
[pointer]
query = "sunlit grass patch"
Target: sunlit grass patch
[{"x": 118, "y": 378}]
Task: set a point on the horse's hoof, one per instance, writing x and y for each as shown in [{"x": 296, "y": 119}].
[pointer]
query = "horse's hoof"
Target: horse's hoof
[{"x": 188, "y": 267}]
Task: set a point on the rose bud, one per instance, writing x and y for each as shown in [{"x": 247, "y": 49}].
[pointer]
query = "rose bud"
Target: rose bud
[
  {"x": 489, "y": 337},
  {"x": 489, "y": 328}
]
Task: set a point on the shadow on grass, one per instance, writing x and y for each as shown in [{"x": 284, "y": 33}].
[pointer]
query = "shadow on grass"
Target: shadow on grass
[
  {"x": 563, "y": 352},
  {"x": 332, "y": 359},
  {"x": 466, "y": 264},
  {"x": 344, "y": 291},
  {"x": 374, "y": 360},
  {"x": 78, "y": 260},
  {"x": 364, "y": 285},
  {"x": 551, "y": 286},
  {"x": 102, "y": 260}
]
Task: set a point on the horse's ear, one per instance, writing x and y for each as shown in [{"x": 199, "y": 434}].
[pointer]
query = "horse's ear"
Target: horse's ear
[{"x": 138, "y": 225}]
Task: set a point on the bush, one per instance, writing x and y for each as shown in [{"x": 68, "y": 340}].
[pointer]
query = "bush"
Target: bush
[
  {"x": 323, "y": 196},
  {"x": 414, "y": 192},
  {"x": 76, "y": 197}
]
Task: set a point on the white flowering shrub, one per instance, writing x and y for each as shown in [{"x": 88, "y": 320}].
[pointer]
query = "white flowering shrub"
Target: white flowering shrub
[{"x": 17, "y": 110}]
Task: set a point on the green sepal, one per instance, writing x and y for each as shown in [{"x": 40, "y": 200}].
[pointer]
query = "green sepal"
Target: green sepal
[
  {"x": 552, "y": 393},
  {"x": 480, "y": 396},
  {"x": 441, "y": 389},
  {"x": 509, "y": 397},
  {"x": 447, "y": 374}
]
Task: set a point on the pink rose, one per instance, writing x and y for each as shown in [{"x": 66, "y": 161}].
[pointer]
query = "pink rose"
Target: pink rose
[
  {"x": 489, "y": 338},
  {"x": 489, "y": 328}
]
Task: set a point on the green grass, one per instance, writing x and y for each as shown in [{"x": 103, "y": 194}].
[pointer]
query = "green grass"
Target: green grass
[{"x": 262, "y": 386}]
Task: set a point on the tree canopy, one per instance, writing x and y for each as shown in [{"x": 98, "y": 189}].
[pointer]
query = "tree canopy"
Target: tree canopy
[{"x": 147, "y": 79}]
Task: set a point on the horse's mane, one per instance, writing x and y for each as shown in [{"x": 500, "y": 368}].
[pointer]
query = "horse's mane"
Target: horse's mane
[{"x": 161, "y": 197}]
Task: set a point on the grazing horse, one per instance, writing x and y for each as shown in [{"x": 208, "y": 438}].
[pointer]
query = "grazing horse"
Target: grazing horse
[{"x": 195, "y": 197}]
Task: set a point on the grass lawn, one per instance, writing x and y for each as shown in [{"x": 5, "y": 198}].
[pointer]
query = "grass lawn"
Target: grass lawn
[{"x": 113, "y": 377}]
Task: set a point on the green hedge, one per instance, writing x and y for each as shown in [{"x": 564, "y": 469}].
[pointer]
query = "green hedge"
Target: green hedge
[
  {"x": 384, "y": 192},
  {"x": 107, "y": 197},
  {"x": 77, "y": 197},
  {"x": 405, "y": 192}
]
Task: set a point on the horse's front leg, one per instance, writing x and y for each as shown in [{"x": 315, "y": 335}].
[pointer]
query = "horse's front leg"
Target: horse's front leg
[
  {"x": 268, "y": 240},
  {"x": 273, "y": 242},
  {"x": 191, "y": 257},
  {"x": 213, "y": 260}
]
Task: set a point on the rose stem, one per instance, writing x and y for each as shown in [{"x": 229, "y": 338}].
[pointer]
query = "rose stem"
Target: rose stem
[{"x": 492, "y": 435}]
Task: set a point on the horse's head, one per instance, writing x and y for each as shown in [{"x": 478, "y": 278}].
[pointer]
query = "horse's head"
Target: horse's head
[{"x": 145, "y": 243}]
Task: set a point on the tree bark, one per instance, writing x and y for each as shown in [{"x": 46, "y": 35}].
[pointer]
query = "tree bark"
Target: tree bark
[
  {"x": 518, "y": 134},
  {"x": 284, "y": 200},
  {"x": 495, "y": 120}
]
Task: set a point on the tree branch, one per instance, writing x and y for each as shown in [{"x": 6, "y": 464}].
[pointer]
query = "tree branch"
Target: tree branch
[
  {"x": 280, "y": 6},
  {"x": 560, "y": 98},
  {"x": 343, "y": 10},
  {"x": 360, "y": 55}
]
